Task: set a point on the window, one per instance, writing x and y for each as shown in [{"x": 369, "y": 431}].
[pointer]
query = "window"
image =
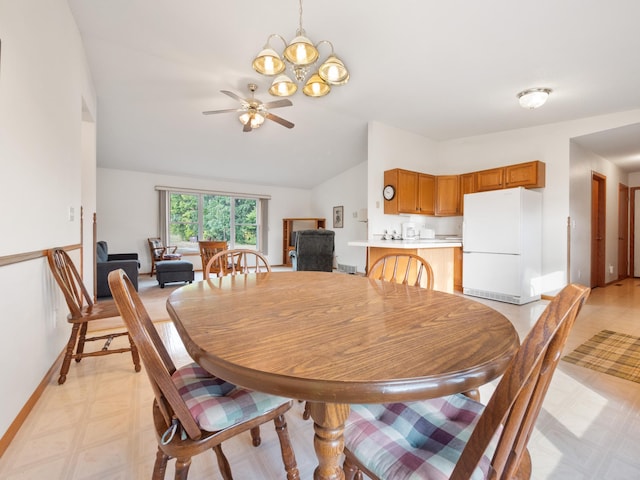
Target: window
[{"x": 211, "y": 216}]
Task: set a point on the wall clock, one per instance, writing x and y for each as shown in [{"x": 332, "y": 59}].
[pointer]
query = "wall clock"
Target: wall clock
[{"x": 389, "y": 192}]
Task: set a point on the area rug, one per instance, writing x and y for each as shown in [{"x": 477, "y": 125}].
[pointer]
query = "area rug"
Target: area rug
[{"x": 609, "y": 352}]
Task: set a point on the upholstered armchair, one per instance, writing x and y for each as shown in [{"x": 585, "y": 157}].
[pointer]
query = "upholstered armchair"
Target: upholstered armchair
[
  {"x": 313, "y": 250},
  {"x": 106, "y": 262}
]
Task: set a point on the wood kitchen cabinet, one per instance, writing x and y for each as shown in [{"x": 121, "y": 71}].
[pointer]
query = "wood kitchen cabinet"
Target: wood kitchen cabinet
[
  {"x": 492, "y": 179},
  {"x": 407, "y": 191},
  {"x": 426, "y": 194},
  {"x": 414, "y": 192},
  {"x": 457, "y": 269},
  {"x": 530, "y": 175},
  {"x": 447, "y": 195},
  {"x": 443, "y": 195},
  {"x": 467, "y": 185}
]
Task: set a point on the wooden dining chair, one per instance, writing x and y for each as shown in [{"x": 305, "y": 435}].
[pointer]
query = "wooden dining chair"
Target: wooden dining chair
[
  {"x": 404, "y": 268},
  {"x": 235, "y": 261},
  {"x": 194, "y": 411},
  {"x": 159, "y": 252},
  {"x": 82, "y": 310},
  {"x": 456, "y": 437},
  {"x": 208, "y": 248}
]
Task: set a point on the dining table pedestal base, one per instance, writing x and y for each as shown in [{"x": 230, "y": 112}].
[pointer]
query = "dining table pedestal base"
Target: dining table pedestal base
[{"x": 328, "y": 423}]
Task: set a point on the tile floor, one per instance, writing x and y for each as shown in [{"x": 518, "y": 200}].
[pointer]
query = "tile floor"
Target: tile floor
[{"x": 98, "y": 424}]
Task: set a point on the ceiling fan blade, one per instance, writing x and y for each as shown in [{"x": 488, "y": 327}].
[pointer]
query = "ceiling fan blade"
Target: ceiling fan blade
[
  {"x": 280, "y": 120},
  {"x": 247, "y": 127},
  {"x": 211, "y": 112},
  {"x": 234, "y": 96},
  {"x": 285, "y": 102}
]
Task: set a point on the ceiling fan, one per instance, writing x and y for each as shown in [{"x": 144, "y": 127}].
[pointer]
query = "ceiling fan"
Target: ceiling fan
[{"x": 254, "y": 111}]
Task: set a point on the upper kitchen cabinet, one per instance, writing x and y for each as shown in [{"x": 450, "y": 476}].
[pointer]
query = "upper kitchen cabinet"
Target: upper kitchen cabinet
[
  {"x": 492, "y": 179},
  {"x": 426, "y": 194},
  {"x": 413, "y": 192},
  {"x": 443, "y": 195},
  {"x": 467, "y": 185},
  {"x": 529, "y": 175},
  {"x": 447, "y": 195}
]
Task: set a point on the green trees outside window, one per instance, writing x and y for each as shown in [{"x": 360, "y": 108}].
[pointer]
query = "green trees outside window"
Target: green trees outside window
[{"x": 194, "y": 217}]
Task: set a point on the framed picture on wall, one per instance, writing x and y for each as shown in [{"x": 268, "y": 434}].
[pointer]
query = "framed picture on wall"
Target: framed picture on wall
[{"x": 338, "y": 217}]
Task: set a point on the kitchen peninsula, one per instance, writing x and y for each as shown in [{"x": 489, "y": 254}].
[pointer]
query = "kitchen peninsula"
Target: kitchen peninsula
[{"x": 443, "y": 253}]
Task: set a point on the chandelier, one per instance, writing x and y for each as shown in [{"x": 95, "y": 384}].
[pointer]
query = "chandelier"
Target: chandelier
[{"x": 300, "y": 55}]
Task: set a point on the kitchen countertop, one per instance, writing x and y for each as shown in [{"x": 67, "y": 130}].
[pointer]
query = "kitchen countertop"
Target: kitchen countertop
[{"x": 410, "y": 244}]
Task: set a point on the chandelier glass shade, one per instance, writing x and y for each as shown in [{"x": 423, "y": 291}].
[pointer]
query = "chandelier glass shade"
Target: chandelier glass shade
[{"x": 300, "y": 55}]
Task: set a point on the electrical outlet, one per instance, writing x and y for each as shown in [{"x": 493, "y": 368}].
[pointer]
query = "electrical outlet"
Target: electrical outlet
[{"x": 610, "y": 268}]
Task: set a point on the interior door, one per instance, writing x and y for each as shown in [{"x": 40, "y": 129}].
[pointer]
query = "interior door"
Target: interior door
[
  {"x": 623, "y": 231},
  {"x": 598, "y": 224},
  {"x": 635, "y": 232}
]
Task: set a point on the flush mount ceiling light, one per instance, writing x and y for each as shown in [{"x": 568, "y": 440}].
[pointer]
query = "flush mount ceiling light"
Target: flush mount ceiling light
[
  {"x": 533, "y": 97},
  {"x": 300, "y": 55}
]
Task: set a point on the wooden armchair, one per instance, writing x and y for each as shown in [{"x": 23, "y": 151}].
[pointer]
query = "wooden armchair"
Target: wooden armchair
[
  {"x": 159, "y": 252},
  {"x": 455, "y": 437},
  {"x": 207, "y": 250},
  {"x": 82, "y": 311},
  {"x": 194, "y": 411},
  {"x": 232, "y": 262}
]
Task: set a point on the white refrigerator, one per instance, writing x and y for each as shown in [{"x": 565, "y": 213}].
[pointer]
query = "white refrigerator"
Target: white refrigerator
[{"x": 501, "y": 244}]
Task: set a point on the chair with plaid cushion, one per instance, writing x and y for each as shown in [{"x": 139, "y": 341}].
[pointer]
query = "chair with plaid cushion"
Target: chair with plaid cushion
[
  {"x": 456, "y": 437},
  {"x": 194, "y": 411}
]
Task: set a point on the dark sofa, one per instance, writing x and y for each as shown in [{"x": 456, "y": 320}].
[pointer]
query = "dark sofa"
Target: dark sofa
[{"x": 106, "y": 262}]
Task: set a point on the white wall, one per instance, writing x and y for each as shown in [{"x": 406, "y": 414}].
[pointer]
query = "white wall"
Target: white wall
[
  {"x": 349, "y": 189},
  {"x": 393, "y": 148},
  {"x": 44, "y": 82},
  {"x": 583, "y": 164},
  {"x": 128, "y": 209}
]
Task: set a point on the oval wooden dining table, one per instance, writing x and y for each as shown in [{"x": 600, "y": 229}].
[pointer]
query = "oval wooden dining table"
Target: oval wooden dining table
[{"x": 335, "y": 339}]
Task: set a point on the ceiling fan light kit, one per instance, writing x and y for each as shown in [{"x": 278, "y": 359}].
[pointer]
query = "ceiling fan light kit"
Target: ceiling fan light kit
[
  {"x": 533, "y": 97},
  {"x": 253, "y": 112},
  {"x": 301, "y": 55}
]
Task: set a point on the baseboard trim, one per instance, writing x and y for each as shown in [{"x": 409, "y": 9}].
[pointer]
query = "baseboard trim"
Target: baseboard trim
[{"x": 13, "y": 429}]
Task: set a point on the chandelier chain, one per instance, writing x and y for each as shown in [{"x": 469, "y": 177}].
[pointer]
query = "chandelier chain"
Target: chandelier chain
[{"x": 300, "y": 29}]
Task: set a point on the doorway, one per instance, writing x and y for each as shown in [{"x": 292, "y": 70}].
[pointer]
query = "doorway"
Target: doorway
[
  {"x": 623, "y": 231},
  {"x": 634, "y": 241},
  {"x": 598, "y": 228}
]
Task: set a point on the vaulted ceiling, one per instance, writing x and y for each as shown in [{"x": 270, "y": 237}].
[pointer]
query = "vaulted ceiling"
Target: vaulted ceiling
[{"x": 440, "y": 69}]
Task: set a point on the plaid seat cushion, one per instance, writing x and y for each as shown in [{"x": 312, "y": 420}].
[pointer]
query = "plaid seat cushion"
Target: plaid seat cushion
[
  {"x": 416, "y": 440},
  {"x": 216, "y": 404}
]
